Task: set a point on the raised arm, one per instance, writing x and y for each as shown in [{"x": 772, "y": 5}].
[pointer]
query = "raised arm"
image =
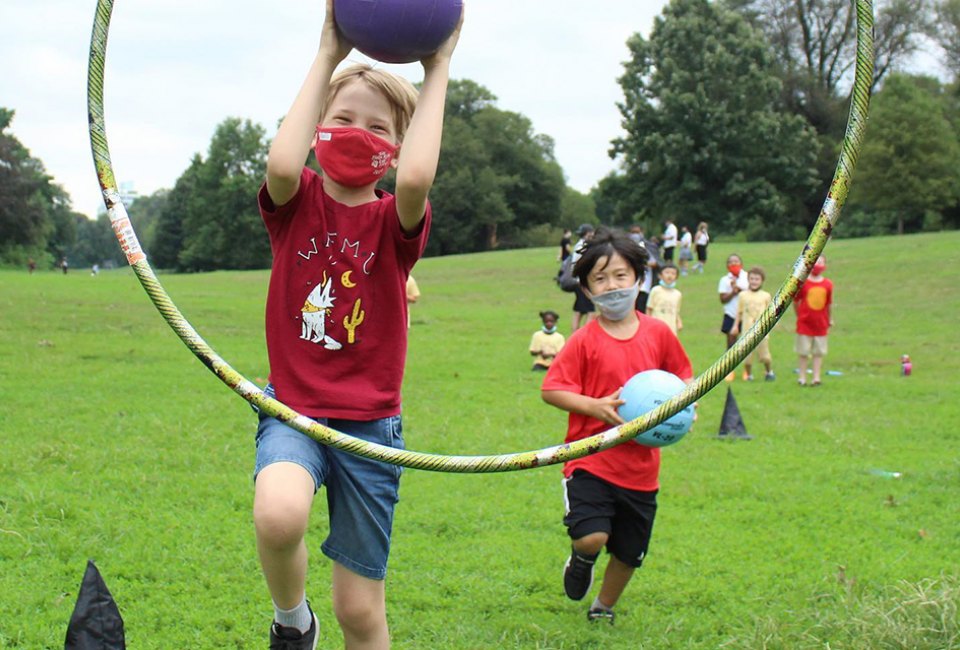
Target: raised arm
[
  {"x": 290, "y": 147},
  {"x": 420, "y": 151}
]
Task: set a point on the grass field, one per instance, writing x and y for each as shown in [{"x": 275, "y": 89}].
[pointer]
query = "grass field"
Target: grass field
[{"x": 118, "y": 445}]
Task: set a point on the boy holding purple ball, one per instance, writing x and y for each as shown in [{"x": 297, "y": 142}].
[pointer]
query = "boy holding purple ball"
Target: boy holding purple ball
[{"x": 336, "y": 325}]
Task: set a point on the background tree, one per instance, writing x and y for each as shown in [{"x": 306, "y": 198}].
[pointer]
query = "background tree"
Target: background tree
[
  {"x": 706, "y": 137},
  {"x": 210, "y": 220},
  {"x": 909, "y": 169},
  {"x": 946, "y": 33},
  {"x": 36, "y": 217},
  {"x": 497, "y": 179}
]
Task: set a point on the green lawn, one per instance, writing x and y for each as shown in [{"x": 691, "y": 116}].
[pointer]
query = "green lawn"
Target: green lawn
[{"x": 118, "y": 445}]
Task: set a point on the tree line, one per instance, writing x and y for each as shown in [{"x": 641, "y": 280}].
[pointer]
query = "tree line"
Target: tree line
[{"x": 732, "y": 113}]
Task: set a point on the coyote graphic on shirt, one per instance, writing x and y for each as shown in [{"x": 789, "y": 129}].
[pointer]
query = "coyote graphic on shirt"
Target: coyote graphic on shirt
[{"x": 316, "y": 308}]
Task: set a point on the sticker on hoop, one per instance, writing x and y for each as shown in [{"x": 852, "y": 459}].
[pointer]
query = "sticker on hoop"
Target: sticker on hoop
[{"x": 125, "y": 234}]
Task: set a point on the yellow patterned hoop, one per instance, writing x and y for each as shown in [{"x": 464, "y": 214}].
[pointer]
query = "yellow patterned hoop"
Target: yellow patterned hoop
[{"x": 127, "y": 237}]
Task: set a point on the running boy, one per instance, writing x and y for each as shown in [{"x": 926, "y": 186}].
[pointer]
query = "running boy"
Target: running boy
[
  {"x": 336, "y": 325},
  {"x": 813, "y": 304},
  {"x": 665, "y": 299},
  {"x": 752, "y": 303},
  {"x": 610, "y": 497}
]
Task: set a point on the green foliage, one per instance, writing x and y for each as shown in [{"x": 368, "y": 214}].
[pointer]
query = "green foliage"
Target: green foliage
[
  {"x": 210, "y": 220},
  {"x": 906, "y": 173},
  {"x": 946, "y": 32},
  {"x": 119, "y": 446},
  {"x": 496, "y": 178},
  {"x": 36, "y": 217},
  {"x": 706, "y": 139}
]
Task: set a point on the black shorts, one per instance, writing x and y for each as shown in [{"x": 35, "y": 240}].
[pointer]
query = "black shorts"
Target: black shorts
[
  {"x": 582, "y": 304},
  {"x": 727, "y": 324},
  {"x": 596, "y": 506},
  {"x": 668, "y": 253},
  {"x": 702, "y": 252}
]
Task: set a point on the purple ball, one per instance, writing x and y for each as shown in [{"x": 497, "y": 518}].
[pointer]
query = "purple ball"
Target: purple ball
[{"x": 397, "y": 31}]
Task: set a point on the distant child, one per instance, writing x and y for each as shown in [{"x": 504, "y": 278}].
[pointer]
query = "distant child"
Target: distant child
[
  {"x": 753, "y": 302},
  {"x": 546, "y": 342},
  {"x": 611, "y": 496},
  {"x": 413, "y": 294},
  {"x": 814, "y": 319},
  {"x": 729, "y": 288},
  {"x": 336, "y": 325},
  {"x": 665, "y": 299},
  {"x": 701, "y": 240},
  {"x": 686, "y": 249}
]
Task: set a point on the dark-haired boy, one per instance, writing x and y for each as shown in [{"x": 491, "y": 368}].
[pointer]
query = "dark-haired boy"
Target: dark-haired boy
[{"x": 611, "y": 496}]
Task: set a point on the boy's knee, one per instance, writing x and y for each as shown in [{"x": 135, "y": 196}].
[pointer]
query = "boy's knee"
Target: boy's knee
[
  {"x": 359, "y": 613},
  {"x": 279, "y": 521},
  {"x": 591, "y": 544}
]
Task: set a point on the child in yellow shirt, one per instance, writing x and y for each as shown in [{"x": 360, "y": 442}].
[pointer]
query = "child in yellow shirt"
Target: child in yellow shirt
[
  {"x": 546, "y": 342},
  {"x": 753, "y": 302},
  {"x": 665, "y": 299}
]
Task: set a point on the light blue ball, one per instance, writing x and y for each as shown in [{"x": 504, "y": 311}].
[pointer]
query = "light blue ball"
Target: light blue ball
[{"x": 646, "y": 391}]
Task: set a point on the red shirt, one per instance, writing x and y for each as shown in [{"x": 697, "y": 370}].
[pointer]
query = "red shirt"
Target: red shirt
[
  {"x": 336, "y": 318},
  {"x": 595, "y": 364},
  {"x": 813, "y": 307}
]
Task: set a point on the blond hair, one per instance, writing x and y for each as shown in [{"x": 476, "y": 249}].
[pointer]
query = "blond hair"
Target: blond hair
[{"x": 400, "y": 93}]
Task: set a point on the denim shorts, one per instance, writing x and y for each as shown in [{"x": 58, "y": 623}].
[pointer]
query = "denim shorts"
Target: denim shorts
[{"x": 361, "y": 493}]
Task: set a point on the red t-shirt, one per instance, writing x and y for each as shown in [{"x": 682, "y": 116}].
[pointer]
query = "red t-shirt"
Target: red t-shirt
[
  {"x": 595, "y": 364},
  {"x": 336, "y": 318},
  {"x": 813, "y": 307}
]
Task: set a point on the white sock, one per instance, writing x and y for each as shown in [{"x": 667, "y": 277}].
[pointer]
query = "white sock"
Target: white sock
[
  {"x": 299, "y": 617},
  {"x": 598, "y": 605}
]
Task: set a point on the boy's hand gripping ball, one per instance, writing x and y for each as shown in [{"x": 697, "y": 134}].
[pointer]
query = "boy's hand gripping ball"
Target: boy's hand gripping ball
[
  {"x": 397, "y": 31},
  {"x": 646, "y": 391}
]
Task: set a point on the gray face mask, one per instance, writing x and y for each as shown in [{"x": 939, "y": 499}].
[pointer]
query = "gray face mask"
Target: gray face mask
[{"x": 617, "y": 304}]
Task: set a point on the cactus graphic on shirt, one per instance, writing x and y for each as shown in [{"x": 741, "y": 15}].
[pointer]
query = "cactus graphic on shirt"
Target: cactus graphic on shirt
[{"x": 352, "y": 322}]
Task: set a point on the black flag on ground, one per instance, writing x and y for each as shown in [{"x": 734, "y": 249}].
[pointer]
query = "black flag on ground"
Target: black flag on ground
[
  {"x": 96, "y": 623},
  {"x": 731, "y": 425}
]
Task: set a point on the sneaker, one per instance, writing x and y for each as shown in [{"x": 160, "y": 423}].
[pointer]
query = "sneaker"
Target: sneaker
[
  {"x": 290, "y": 638},
  {"x": 598, "y": 614},
  {"x": 747, "y": 376},
  {"x": 769, "y": 376},
  {"x": 578, "y": 576}
]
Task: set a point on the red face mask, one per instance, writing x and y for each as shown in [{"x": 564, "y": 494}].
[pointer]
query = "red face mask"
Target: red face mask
[
  {"x": 735, "y": 268},
  {"x": 351, "y": 156},
  {"x": 819, "y": 268}
]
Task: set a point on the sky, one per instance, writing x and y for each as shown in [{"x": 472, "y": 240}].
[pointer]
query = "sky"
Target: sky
[{"x": 177, "y": 68}]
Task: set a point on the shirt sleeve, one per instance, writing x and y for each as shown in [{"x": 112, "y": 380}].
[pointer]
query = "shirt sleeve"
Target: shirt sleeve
[{"x": 565, "y": 372}]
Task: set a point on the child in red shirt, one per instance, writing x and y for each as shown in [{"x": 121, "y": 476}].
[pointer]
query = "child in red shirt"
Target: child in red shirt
[
  {"x": 814, "y": 319},
  {"x": 610, "y": 496},
  {"x": 336, "y": 325}
]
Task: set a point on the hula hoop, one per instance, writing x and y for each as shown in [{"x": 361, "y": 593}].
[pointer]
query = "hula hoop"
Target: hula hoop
[{"x": 127, "y": 237}]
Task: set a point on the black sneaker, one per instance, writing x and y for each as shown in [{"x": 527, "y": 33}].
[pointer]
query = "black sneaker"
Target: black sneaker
[
  {"x": 578, "y": 575},
  {"x": 598, "y": 614},
  {"x": 290, "y": 638}
]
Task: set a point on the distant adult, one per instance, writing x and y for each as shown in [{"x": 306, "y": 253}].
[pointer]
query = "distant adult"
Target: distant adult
[
  {"x": 583, "y": 309},
  {"x": 64, "y": 265},
  {"x": 686, "y": 249},
  {"x": 701, "y": 240},
  {"x": 652, "y": 267},
  {"x": 566, "y": 244},
  {"x": 31, "y": 265},
  {"x": 731, "y": 284},
  {"x": 669, "y": 240}
]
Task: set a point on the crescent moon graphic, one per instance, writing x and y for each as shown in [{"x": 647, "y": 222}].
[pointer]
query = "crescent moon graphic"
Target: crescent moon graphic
[{"x": 346, "y": 281}]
